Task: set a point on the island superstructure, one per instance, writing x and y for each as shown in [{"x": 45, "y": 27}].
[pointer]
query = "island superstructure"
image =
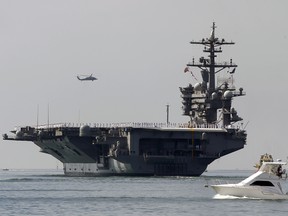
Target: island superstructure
[{"x": 184, "y": 149}]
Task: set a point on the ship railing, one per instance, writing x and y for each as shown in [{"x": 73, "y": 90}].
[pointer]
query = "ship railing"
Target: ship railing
[
  {"x": 223, "y": 63},
  {"x": 127, "y": 125}
]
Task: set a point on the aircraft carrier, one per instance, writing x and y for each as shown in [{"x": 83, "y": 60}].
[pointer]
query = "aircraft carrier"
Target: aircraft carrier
[{"x": 213, "y": 129}]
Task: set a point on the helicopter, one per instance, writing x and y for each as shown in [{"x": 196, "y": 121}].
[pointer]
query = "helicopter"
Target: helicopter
[{"x": 86, "y": 77}]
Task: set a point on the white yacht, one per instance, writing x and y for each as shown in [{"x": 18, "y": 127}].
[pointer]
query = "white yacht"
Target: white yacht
[{"x": 266, "y": 183}]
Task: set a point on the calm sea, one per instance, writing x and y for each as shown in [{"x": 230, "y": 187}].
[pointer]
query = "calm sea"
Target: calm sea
[{"x": 49, "y": 192}]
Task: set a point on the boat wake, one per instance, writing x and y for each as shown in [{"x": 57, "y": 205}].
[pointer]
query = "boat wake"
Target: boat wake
[{"x": 228, "y": 197}]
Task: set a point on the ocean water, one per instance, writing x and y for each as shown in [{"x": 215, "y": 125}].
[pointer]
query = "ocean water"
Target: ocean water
[{"x": 49, "y": 192}]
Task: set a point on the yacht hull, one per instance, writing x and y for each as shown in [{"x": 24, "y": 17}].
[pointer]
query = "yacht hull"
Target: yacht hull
[{"x": 255, "y": 192}]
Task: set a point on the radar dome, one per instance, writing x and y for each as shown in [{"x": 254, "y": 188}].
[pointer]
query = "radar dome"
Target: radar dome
[
  {"x": 228, "y": 94},
  {"x": 214, "y": 95},
  {"x": 84, "y": 131},
  {"x": 19, "y": 134},
  {"x": 197, "y": 87}
]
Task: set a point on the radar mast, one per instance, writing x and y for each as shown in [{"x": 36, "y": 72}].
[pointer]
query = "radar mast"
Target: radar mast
[{"x": 203, "y": 100}]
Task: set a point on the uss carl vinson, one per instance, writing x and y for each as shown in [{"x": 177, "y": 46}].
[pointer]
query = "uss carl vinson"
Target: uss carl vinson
[{"x": 183, "y": 149}]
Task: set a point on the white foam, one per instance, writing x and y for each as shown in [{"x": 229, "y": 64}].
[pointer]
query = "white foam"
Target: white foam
[{"x": 219, "y": 196}]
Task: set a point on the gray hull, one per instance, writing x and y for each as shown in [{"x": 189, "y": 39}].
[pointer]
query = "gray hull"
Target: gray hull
[
  {"x": 137, "y": 151},
  {"x": 137, "y": 167}
]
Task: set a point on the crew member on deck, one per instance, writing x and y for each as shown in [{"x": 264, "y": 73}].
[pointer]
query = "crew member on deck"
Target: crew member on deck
[{"x": 279, "y": 171}]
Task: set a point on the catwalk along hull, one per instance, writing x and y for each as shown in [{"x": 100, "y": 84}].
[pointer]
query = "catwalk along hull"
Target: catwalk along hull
[{"x": 92, "y": 151}]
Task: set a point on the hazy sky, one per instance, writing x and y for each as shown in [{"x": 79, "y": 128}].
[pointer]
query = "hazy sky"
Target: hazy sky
[{"x": 138, "y": 50}]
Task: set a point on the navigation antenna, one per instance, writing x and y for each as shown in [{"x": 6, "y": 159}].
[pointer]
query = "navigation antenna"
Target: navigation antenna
[
  {"x": 37, "y": 122},
  {"x": 48, "y": 115},
  {"x": 203, "y": 100},
  {"x": 167, "y": 112}
]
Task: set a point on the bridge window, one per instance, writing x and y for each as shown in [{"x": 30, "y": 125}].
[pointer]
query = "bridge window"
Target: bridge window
[{"x": 262, "y": 183}]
